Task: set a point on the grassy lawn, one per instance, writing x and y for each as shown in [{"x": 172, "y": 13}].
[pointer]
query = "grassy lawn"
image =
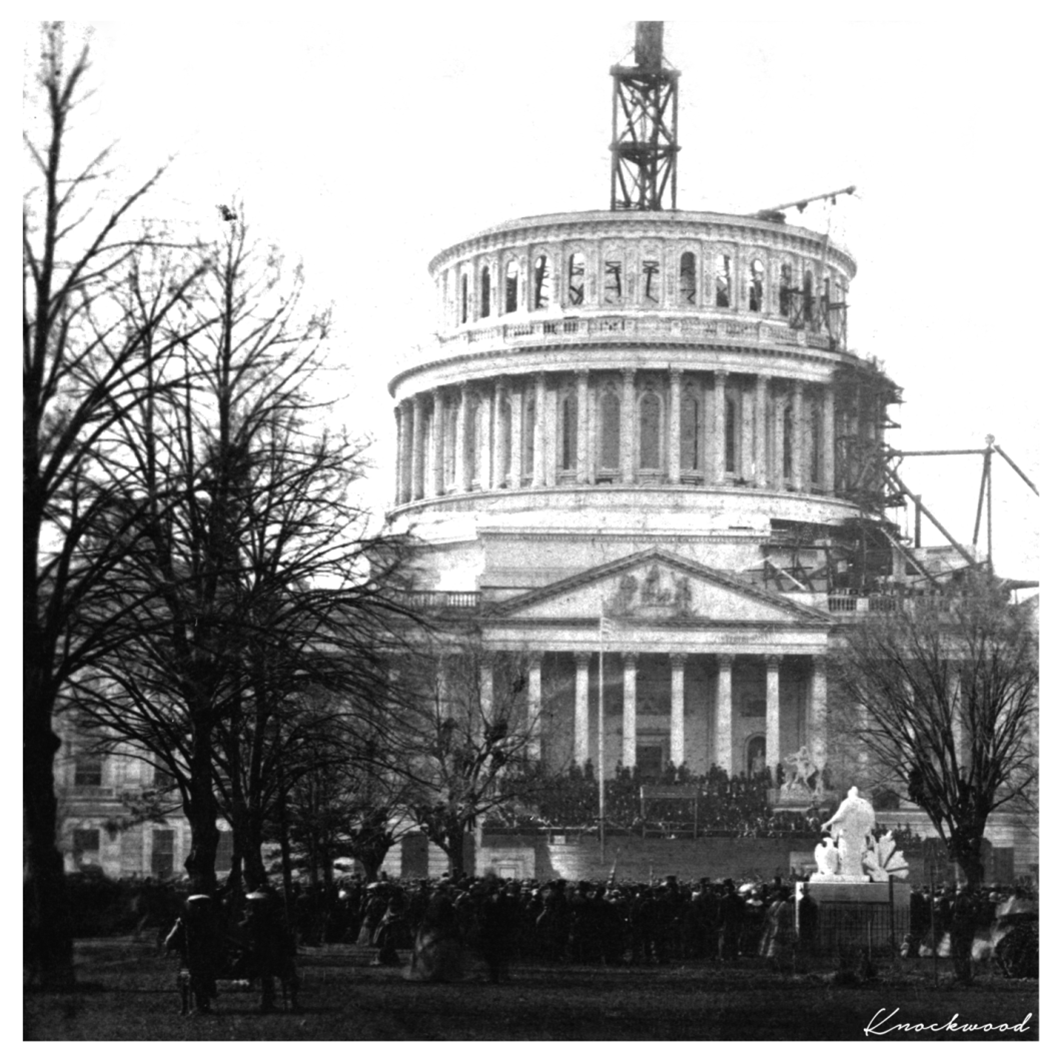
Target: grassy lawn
[{"x": 128, "y": 992}]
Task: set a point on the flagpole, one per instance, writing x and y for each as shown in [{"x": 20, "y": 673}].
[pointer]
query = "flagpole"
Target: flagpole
[{"x": 600, "y": 731}]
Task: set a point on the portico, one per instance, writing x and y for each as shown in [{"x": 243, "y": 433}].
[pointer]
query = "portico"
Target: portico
[{"x": 695, "y": 667}]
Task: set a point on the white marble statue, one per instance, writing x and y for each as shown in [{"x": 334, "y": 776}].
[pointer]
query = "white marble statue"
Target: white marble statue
[
  {"x": 852, "y": 825},
  {"x": 805, "y": 769},
  {"x": 828, "y": 859}
]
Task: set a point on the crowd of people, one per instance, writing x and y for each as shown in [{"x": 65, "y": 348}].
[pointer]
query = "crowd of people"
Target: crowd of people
[
  {"x": 724, "y": 805},
  {"x": 613, "y": 922}
]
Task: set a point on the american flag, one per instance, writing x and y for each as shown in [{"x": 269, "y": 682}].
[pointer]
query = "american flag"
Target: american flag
[{"x": 608, "y": 627}]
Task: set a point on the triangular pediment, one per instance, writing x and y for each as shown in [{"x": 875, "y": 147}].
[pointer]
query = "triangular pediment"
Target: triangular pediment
[{"x": 659, "y": 587}]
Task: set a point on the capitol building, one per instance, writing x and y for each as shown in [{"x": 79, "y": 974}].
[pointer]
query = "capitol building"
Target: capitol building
[{"x": 650, "y": 416}]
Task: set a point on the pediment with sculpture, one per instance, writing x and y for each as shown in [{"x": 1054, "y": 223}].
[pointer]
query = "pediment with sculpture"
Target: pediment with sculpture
[{"x": 659, "y": 587}]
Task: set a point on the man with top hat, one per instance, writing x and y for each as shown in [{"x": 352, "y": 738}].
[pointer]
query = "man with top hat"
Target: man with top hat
[
  {"x": 196, "y": 937},
  {"x": 270, "y": 950}
]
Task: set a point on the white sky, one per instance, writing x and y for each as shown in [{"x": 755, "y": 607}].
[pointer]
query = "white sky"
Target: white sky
[{"x": 364, "y": 147}]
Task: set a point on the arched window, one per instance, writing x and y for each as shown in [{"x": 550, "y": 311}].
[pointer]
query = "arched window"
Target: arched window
[
  {"x": 731, "y": 436},
  {"x": 511, "y": 286},
  {"x": 613, "y": 283},
  {"x": 651, "y": 419},
  {"x": 691, "y": 431},
  {"x": 576, "y": 278},
  {"x": 529, "y": 416},
  {"x": 484, "y": 292},
  {"x": 464, "y": 299},
  {"x": 568, "y": 432},
  {"x": 650, "y": 282},
  {"x": 609, "y": 431},
  {"x": 808, "y": 296},
  {"x": 785, "y": 293},
  {"x": 755, "y": 286},
  {"x": 723, "y": 266},
  {"x": 687, "y": 279},
  {"x": 541, "y": 282}
]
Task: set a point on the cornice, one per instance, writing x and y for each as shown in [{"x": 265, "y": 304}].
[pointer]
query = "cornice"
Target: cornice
[{"x": 806, "y": 355}]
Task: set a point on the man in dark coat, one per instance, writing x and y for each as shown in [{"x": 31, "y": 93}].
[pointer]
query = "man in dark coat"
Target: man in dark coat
[
  {"x": 196, "y": 936},
  {"x": 270, "y": 950},
  {"x": 498, "y": 928}
]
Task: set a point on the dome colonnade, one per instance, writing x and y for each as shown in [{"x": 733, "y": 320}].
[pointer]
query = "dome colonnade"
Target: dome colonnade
[{"x": 667, "y": 379}]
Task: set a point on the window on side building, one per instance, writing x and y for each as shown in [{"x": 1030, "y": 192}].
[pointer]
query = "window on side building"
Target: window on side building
[
  {"x": 86, "y": 847},
  {"x": 88, "y": 770},
  {"x": 484, "y": 292}
]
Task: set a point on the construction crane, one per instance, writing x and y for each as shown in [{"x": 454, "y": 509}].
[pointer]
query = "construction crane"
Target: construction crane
[
  {"x": 776, "y": 213},
  {"x": 644, "y": 143},
  {"x": 984, "y": 499}
]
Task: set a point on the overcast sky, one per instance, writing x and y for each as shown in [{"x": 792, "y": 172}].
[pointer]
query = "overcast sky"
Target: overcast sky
[{"x": 365, "y": 147}]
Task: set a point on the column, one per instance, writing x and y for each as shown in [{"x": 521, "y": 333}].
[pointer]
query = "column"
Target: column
[
  {"x": 582, "y": 454},
  {"x": 677, "y": 708},
  {"x": 552, "y": 436},
  {"x": 399, "y": 447},
  {"x": 817, "y": 728},
  {"x": 497, "y": 462},
  {"x": 828, "y": 441},
  {"x": 720, "y": 428},
  {"x": 773, "y": 711},
  {"x": 534, "y": 706},
  {"x": 797, "y": 435},
  {"x": 581, "y": 707},
  {"x": 627, "y": 427},
  {"x": 779, "y": 442},
  {"x": 460, "y": 463},
  {"x": 486, "y": 690},
  {"x": 539, "y": 430},
  {"x": 629, "y": 709},
  {"x": 515, "y": 421},
  {"x": 724, "y": 714},
  {"x": 438, "y": 424},
  {"x": 760, "y": 430},
  {"x": 674, "y": 448},
  {"x": 418, "y": 448}
]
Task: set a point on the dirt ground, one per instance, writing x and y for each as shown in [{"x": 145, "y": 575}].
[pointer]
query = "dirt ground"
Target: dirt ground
[{"x": 126, "y": 991}]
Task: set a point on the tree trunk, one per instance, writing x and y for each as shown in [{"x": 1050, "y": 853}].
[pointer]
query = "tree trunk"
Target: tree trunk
[
  {"x": 454, "y": 848},
  {"x": 47, "y": 937}
]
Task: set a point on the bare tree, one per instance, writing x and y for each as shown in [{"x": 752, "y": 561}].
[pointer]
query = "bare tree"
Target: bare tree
[
  {"x": 257, "y": 577},
  {"x": 943, "y": 694},
  {"x": 471, "y": 744},
  {"x": 86, "y": 364}
]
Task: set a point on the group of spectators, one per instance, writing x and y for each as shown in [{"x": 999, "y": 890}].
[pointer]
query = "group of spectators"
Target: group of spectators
[
  {"x": 608, "y": 922},
  {"x": 724, "y": 805}
]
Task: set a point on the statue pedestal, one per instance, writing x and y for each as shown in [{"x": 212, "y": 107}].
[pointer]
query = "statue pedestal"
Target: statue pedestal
[{"x": 857, "y": 913}]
